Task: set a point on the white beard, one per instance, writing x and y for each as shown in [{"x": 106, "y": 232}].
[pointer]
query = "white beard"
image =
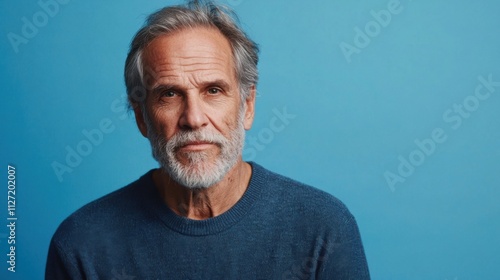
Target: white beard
[{"x": 200, "y": 171}]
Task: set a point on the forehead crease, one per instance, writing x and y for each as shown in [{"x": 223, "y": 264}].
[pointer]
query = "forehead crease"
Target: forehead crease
[
  {"x": 190, "y": 78},
  {"x": 198, "y": 75},
  {"x": 189, "y": 60},
  {"x": 180, "y": 61},
  {"x": 199, "y": 69},
  {"x": 195, "y": 69}
]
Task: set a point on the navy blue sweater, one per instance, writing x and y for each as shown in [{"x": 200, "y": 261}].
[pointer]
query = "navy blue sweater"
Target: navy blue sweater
[{"x": 279, "y": 229}]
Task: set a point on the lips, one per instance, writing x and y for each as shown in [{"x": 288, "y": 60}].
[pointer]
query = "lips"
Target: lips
[{"x": 196, "y": 145}]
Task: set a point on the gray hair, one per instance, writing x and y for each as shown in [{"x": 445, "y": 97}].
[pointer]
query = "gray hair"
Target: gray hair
[{"x": 193, "y": 14}]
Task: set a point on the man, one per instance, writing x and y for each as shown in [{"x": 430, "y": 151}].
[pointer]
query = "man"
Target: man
[{"x": 191, "y": 78}]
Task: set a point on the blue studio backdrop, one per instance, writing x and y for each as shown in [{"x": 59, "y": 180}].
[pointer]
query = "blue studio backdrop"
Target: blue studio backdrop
[{"x": 392, "y": 106}]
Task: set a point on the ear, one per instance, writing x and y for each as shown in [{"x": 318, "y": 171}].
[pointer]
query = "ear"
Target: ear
[
  {"x": 249, "y": 109},
  {"x": 139, "y": 120}
]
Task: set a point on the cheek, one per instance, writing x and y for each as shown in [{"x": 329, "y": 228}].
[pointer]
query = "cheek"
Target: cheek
[
  {"x": 231, "y": 120},
  {"x": 164, "y": 122}
]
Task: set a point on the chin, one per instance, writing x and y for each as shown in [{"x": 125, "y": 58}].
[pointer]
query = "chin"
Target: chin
[{"x": 197, "y": 171}]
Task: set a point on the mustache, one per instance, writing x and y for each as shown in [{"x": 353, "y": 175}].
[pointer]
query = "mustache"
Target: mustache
[{"x": 185, "y": 137}]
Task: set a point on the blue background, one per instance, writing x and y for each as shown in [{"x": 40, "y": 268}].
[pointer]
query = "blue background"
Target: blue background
[{"x": 354, "y": 117}]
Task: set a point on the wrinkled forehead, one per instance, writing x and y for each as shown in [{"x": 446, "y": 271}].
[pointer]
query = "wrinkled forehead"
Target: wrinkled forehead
[{"x": 191, "y": 50}]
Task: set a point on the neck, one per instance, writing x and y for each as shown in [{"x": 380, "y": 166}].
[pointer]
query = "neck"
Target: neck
[{"x": 200, "y": 204}]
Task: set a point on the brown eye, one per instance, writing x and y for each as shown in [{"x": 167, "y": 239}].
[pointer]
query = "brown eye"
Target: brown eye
[
  {"x": 213, "y": 91},
  {"x": 168, "y": 93}
]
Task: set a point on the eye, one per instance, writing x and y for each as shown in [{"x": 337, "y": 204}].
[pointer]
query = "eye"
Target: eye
[
  {"x": 214, "y": 90},
  {"x": 168, "y": 93}
]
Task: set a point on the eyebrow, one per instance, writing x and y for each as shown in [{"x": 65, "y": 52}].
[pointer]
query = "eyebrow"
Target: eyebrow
[
  {"x": 164, "y": 87},
  {"x": 220, "y": 83}
]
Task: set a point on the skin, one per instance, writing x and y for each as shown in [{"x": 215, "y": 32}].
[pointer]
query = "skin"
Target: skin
[{"x": 192, "y": 85}]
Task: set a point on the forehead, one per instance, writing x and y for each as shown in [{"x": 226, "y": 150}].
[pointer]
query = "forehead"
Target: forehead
[{"x": 189, "y": 50}]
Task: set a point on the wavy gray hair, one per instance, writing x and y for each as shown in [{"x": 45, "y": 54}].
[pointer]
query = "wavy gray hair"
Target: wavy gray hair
[{"x": 193, "y": 14}]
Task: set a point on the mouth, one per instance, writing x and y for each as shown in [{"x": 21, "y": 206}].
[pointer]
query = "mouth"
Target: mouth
[{"x": 196, "y": 146}]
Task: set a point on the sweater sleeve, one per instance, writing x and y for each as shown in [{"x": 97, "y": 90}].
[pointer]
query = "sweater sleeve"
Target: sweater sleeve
[
  {"x": 345, "y": 257},
  {"x": 59, "y": 266}
]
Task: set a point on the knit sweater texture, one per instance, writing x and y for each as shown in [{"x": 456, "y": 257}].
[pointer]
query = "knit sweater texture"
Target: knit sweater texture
[{"x": 279, "y": 229}]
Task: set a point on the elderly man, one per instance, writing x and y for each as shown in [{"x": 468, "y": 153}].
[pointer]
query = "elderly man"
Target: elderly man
[{"x": 191, "y": 77}]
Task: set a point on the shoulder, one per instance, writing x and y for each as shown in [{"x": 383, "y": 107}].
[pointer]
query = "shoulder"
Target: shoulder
[
  {"x": 101, "y": 215},
  {"x": 317, "y": 221},
  {"x": 302, "y": 201}
]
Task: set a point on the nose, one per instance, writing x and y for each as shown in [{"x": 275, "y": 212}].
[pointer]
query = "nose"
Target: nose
[{"x": 193, "y": 115}]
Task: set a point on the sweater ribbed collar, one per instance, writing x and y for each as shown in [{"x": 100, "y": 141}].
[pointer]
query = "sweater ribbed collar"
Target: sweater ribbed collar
[{"x": 183, "y": 225}]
